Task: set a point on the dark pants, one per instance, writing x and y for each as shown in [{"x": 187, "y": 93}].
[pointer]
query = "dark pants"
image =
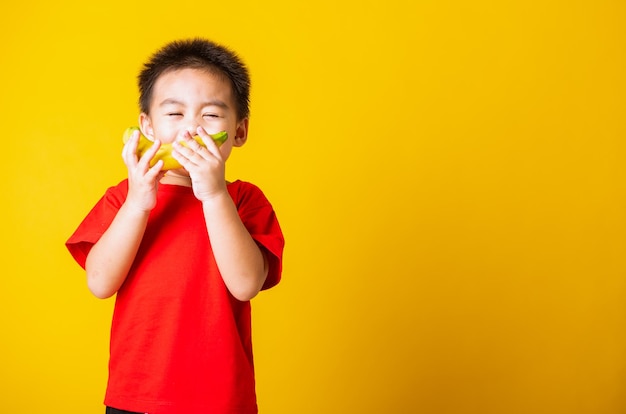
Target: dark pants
[{"x": 116, "y": 411}]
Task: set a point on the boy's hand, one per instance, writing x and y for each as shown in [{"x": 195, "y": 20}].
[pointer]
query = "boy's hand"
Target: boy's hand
[
  {"x": 142, "y": 180},
  {"x": 204, "y": 164}
]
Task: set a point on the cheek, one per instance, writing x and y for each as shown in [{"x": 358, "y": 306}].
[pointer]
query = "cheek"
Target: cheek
[
  {"x": 226, "y": 149},
  {"x": 165, "y": 133}
]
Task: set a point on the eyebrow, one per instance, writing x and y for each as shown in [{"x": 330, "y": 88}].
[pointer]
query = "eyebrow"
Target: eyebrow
[{"x": 215, "y": 102}]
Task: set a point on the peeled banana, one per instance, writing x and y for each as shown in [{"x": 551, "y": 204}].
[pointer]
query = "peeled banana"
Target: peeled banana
[{"x": 165, "y": 150}]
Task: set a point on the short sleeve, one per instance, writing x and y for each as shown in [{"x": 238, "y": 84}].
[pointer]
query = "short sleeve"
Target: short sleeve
[
  {"x": 96, "y": 222},
  {"x": 259, "y": 217}
]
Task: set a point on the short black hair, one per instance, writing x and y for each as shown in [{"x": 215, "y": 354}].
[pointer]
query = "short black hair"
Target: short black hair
[{"x": 197, "y": 53}]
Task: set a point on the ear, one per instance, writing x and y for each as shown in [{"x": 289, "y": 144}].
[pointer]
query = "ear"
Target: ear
[
  {"x": 145, "y": 125},
  {"x": 241, "y": 133}
]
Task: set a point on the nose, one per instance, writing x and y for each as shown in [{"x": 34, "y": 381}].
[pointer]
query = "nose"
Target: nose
[{"x": 192, "y": 128}]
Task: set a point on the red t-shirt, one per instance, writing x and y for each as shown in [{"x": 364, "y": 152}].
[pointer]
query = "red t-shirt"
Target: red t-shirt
[{"x": 180, "y": 342}]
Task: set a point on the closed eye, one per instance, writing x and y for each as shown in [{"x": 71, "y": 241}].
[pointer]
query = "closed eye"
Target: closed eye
[{"x": 174, "y": 114}]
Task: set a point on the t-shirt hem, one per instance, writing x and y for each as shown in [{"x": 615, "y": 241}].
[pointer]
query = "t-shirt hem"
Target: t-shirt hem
[{"x": 163, "y": 407}]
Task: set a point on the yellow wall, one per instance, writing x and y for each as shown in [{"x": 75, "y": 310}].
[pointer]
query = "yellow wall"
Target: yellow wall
[{"x": 450, "y": 177}]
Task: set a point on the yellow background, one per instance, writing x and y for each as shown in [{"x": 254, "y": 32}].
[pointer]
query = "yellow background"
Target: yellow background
[{"x": 450, "y": 177}]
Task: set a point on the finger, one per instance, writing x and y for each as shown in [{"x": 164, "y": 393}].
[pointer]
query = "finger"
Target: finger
[
  {"x": 188, "y": 149},
  {"x": 129, "y": 151},
  {"x": 196, "y": 145},
  {"x": 190, "y": 141},
  {"x": 181, "y": 152},
  {"x": 155, "y": 170},
  {"x": 208, "y": 141},
  {"x": 147, "y": 157}
]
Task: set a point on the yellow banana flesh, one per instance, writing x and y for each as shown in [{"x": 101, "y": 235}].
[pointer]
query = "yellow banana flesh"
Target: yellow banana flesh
[{"x": 165, "y": 150}]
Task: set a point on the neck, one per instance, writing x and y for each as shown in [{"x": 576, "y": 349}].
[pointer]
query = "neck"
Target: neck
[{"x": 175, "y": 178}]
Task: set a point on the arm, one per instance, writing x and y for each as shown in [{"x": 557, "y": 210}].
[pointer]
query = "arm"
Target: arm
[
  {"x": 242, "y": 263},
  {"x": 110, "y": 259}
]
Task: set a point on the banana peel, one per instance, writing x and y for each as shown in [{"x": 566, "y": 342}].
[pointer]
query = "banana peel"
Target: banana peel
[{"x": 165, "y": 150}]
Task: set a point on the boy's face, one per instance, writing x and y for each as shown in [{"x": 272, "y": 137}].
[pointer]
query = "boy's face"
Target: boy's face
[{"x": 187, "y": 98}]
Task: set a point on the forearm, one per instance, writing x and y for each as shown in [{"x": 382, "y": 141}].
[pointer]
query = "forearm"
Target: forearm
[
  {"x": 241, "y": 262},
  {"x": 112, "y": 256}
]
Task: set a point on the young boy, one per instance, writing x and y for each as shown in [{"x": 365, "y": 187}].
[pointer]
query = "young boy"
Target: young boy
[{"x": 184, "y": 250}]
